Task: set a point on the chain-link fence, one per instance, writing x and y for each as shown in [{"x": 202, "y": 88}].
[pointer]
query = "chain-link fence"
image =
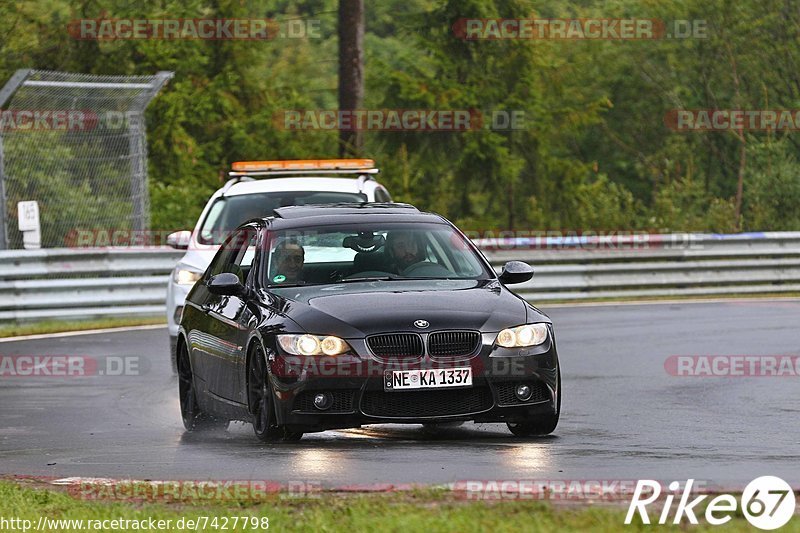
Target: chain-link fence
[{"x": 74, "y": 143}]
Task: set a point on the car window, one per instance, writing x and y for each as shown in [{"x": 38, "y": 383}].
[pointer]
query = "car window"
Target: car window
[
  {"x": 229, "y": 212},
  {"x": 381, "y": 195},
  {"x": 236, "y": 255},
  {"x": 400, "y": 251}
]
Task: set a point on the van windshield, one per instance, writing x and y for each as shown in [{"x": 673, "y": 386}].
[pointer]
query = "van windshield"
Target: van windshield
[{"x": 229, "y": 212}]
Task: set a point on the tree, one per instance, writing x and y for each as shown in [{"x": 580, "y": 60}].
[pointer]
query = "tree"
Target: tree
[{"x": 351, "y": 70}]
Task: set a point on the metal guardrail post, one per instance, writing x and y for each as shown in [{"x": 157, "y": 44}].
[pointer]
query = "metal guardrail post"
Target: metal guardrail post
[
  {"x": 138, "y": 150},
  {"x": 74, "y": 91},
  {"x": 3, "y": 224}
]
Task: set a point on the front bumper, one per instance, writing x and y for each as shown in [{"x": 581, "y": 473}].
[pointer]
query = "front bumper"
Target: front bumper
[
  {"x": 176, "y": 298},
  {"x": 356, "y": 387}
]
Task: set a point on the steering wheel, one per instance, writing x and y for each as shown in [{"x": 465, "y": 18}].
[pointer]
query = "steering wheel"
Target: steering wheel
[{"x": 426, "y": 269}]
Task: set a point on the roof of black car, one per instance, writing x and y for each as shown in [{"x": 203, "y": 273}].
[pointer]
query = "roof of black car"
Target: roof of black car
[{"x": 347, "y": 212}]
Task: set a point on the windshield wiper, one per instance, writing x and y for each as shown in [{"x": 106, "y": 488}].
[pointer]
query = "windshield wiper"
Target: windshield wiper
[
  {"x": 401, "y": 278},
  {"x": 419, "y": 278},
  {"x": 283, "y": 285}
]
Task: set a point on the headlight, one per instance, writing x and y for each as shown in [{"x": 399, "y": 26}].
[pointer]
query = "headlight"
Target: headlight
[
  {"x": 185, "y": 277},
  {"x": 313, "y": 345},
  {"x": 527, "y": 335}
]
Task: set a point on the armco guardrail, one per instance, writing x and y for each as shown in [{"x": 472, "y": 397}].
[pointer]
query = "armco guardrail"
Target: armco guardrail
[
  {"x": 638, "y": 266},
  {"x": 75, "y": 283}
]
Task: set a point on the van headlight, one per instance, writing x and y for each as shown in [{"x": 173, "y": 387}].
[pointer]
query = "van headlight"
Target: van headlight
[
  {"x": 181, "y": 276},
  {"x": 520, "y": 336}
]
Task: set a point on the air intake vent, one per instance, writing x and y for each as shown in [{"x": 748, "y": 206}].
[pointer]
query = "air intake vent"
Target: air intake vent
[
  {"x": 396, "y": 345},
  {"x": 506, "y": 396},
  {"x": 453, "y": 343},
  {"x": 421, "y": 404}
]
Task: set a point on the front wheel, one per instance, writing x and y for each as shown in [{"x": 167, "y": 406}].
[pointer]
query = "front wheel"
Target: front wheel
[
  {"x": 539, "y": 425},
  {"x": 262, "y": 402},
  {"x": 194, "y": 419},
  {"x": 543, "y": 425}
]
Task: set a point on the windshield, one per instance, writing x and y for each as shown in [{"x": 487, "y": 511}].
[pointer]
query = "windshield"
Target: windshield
[
  {"x": 229, "y": 212},
  {"x": 361, "y": 252}
]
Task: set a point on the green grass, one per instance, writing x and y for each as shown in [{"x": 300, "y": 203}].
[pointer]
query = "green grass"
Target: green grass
[
  {"x": 428, "y": 510},
  {"x": 58, "y": 326}
]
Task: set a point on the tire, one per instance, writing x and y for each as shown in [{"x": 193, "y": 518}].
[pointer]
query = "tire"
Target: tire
[
  {"x": 173, "y": 355},
  {"x": 539, "y": 425},
  {"x": 194, "y": 419},
  {"x": 262, "y": 402}
]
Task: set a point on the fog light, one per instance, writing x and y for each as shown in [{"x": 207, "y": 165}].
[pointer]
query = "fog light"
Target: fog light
[
  {"x": 323, "y": 401},
  {"x": 523, "y": 393}
]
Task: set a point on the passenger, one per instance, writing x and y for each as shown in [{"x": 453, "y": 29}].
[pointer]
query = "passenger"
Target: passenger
[{"x": 288, "y": 258}]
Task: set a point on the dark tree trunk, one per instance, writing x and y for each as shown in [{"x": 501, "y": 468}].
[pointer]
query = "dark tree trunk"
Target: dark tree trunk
[{"x": 351, "y": 70}]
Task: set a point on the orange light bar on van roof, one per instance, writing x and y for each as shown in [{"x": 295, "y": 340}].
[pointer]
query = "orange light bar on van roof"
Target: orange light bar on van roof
[{"x": 305, "y": 164}]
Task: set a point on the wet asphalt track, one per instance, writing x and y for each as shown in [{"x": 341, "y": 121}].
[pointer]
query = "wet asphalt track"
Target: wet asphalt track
[{"x": 623, "y": 416}]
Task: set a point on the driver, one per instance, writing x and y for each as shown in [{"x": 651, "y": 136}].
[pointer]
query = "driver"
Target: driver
[
  {"x": 288, "y": 258},
  {"x": 404, "y": 250}
]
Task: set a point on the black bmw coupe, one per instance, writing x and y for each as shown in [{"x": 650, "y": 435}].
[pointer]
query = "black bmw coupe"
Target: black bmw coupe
[{"x": 336, "y": 316}]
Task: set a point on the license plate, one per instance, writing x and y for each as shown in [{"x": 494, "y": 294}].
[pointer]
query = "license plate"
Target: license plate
[{"x": 437, "y": 378}]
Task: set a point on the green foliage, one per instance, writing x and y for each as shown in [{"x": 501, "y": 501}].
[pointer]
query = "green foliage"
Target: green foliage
[
  {"x": 604, "y": 205},
  {"x": 683, "y": 205},
  {"x": 773, "y": 187},
  {"x": 594, "y": 152}
]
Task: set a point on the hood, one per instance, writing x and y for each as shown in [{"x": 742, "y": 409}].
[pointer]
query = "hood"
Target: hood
[
  {"x": 355, "y": 310},
  {"x": 198, "y": 259}
]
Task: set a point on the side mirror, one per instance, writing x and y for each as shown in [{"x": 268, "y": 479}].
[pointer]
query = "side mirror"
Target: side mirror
[
  {"x": 226, "y": 284},
  {"x": 515, "y": 272},
  {"x": 179, "y": 240}
]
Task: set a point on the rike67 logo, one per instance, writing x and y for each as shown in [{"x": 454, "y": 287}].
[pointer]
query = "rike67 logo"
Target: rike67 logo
[{"x": 768, "y": 502}]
